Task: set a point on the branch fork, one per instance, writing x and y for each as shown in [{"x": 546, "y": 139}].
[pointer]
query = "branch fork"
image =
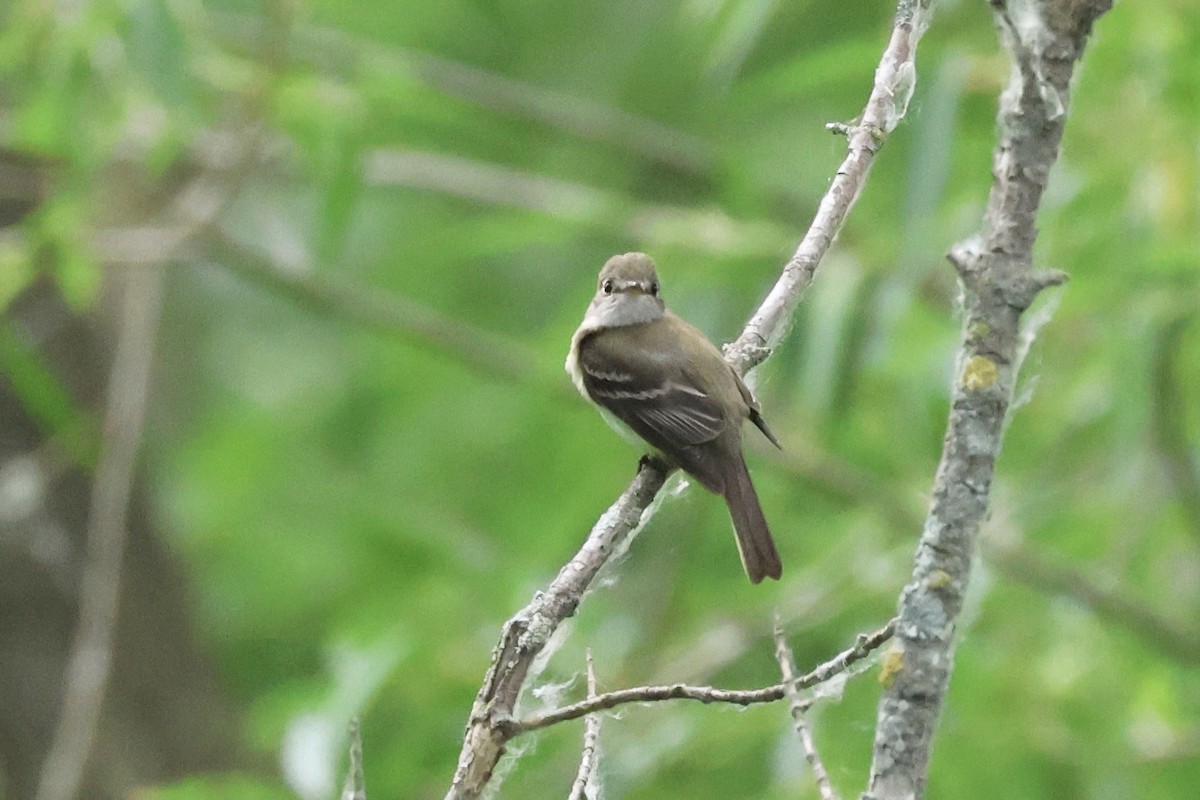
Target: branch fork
[{"x": 527, "y": 634}]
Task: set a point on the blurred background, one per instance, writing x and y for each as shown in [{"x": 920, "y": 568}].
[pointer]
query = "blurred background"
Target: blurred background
[{"x": 373, "y": 228}]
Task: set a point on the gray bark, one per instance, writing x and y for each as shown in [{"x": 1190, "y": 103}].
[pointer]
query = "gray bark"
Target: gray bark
[{"x": 998, "y": 284}]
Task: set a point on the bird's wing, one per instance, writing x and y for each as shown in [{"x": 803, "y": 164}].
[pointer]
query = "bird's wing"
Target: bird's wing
[
  {"x": 649, "y": 395},
  {"x": 755, "y": 412}
]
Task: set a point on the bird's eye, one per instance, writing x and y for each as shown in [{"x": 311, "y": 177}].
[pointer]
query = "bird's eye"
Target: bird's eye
[
  {"x": 654, "y": 289},
  {"x": 607, "y": 286}
]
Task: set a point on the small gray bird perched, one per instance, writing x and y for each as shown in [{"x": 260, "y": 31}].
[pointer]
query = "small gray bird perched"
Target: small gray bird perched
[{"x": 655, "y": 376}]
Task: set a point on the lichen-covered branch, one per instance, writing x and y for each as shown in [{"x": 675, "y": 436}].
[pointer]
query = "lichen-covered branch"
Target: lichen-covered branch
[
  {"x": 526, "y": 634},
  {"x": 1045, "y": 39}
]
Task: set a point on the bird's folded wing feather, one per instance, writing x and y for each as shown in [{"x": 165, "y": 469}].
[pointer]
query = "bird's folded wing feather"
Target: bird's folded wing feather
[{"x": 659, "y": 403}]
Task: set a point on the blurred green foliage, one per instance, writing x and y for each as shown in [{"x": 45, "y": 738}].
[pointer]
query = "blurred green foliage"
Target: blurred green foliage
[{"x": 360, "y": 511}]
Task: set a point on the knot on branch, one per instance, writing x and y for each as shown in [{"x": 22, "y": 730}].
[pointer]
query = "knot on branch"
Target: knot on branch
[
  {"x": 1004, "y": 274},
  {"x": 503, "y": 723},
  {"x": 967, "y": 257},
  {"x": 1020, "y": 291},
  {"x": 875, "y": 135},
  {"x": 839, "y": 128}
]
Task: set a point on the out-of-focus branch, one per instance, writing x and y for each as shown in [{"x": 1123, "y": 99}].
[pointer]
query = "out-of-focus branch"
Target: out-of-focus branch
[
  {"x": 591, "y": 735},
  {"x": 193, "y": 210},
  {"x": 90, "y": 660},
  {"x": 336, "y": 51},
  {"x": 798, "y": 706},
  {"x": 1170, "y": 426},
  {"x": 864, "y": 645},
  {"x": 1022, "y": 563},
  {"x": 390, "y": 314},
  {"x": 526, "y": 634},
  {"x": 995, "y": 269},
  {"x": 580, "y": 204}
]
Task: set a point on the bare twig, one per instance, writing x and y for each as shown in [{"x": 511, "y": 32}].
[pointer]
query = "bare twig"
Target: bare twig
[
  {"x": 895, "y": 80},
  {"x": 798, "y": 706},
  {"x": 1024, "y": 564},
  {"x": 90, "y": 660},
  {"x": 864, "y": 645},
  {"x": 999, "y": 284},
  {"x": 355, "y": 786},
  {"x": 591, "y": 735},
  {"x": 526, "y": 634}
]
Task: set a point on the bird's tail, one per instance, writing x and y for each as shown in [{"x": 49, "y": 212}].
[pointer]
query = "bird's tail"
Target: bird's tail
[{"x": 755, "y": 545}]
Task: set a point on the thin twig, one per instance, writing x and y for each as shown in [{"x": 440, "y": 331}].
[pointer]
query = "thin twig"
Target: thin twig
[
  {"x": 90, "y": 661},
  {"x": 355, "y": 786},
  {"x": 798, "y": 706},
  {"x": 995, "y": 269},
  {"x": 895, "y": 80},
  {"x": 591, "y": 735},
  {"x": 526, "y": 634},
  {"x": 864, "y": 645}
]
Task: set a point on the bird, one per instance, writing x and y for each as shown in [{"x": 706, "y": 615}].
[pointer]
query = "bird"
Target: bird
[{"x": 659, "y": 381}]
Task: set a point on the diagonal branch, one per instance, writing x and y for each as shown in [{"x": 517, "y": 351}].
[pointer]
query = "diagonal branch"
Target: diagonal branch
[
  {"x": 895, "y": 80},
  {"x": 995, "y": 269},
  {"x": 526, "y": 634}
]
